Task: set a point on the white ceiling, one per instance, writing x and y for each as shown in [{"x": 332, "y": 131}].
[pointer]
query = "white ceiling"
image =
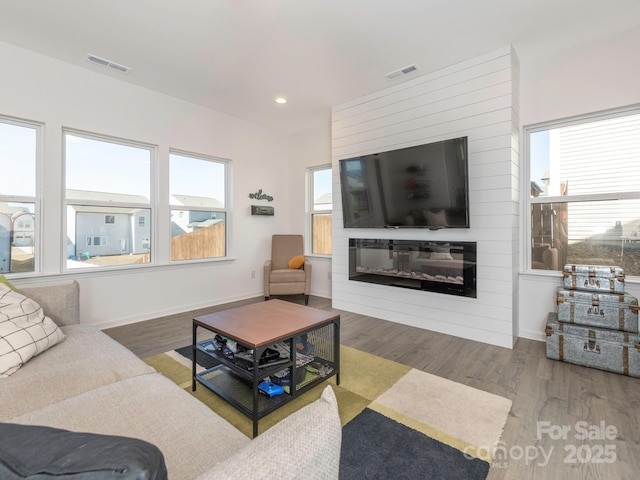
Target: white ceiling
[{"x": 236, "y": 56}]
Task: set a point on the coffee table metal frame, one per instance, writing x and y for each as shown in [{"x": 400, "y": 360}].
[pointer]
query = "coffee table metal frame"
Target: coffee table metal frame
[{"x": 235, "y": 383}]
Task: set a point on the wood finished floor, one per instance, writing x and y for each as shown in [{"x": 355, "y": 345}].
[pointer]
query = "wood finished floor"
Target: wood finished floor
[{"x": 544, "y": 392}]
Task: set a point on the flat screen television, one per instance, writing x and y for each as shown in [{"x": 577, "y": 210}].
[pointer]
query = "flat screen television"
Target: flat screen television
[{"x": 425, "y": 186}]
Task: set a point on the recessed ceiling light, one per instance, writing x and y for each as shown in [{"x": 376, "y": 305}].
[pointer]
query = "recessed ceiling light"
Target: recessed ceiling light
[{"x": 281, "y": 100}]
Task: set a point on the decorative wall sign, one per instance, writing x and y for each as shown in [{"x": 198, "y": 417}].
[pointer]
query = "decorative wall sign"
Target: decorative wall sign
[
  {"x": 261, "y": 210},
  {"x": 261, "y": 196}
]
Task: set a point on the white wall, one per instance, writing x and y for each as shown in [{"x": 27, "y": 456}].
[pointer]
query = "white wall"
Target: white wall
[
  {"x": 474, "y": 99},
  {"x": 567, "y": 82},
  {"x": 39, "y": 88},
  {"x": 309, "y": 148}
]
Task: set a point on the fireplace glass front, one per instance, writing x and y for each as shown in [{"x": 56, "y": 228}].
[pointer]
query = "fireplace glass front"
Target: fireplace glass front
[{"x": 442, "y": 267}]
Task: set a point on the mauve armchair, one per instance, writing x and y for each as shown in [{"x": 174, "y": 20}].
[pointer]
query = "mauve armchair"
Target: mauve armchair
[{"x": 279, "y": 278}]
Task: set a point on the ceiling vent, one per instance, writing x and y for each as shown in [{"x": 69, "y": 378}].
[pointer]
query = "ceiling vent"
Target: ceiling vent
[
  {"x": 108, "y": 63},
  {"x": 402, "y": 71}
]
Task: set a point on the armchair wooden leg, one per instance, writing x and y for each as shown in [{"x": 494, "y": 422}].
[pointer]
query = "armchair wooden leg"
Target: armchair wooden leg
[{"x": 306, "y": 299}]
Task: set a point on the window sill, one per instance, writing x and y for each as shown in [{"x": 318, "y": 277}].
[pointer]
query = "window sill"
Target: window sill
[
  {"x": 37, "y": 277},
  {"x": 317, "y": 255}
]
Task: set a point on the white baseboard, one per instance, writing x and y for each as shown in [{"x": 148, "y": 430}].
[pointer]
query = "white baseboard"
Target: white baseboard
[
  {"x": 173, "y": 311},
  {"x": 184, "y": 308},
  {"x": 532, "y": 335}
]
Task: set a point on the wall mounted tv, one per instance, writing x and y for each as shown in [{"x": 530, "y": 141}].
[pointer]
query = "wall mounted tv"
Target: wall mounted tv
[{"x": 426, "y": 186}]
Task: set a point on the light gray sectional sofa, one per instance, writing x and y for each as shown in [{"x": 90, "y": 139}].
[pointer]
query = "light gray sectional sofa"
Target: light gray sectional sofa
[{"x": 90, "y": 383}]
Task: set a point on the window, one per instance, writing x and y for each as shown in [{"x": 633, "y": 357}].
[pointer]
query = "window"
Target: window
[
  {"x": 19, "y": 195},
  {"x": 97, "y": 241},
  {"x": 585, "y": 191},
  {"x": 198, "y": 200},
  {"x": 320, "y": 195},
  {"x": 108, "y": 186}
]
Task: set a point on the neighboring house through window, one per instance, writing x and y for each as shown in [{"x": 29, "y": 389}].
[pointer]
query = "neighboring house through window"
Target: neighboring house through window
[
  {"x": 108, "y": 190},
  {"x": 19, "y": 195},
  {"x": 321, "y": 205},
  {"x": 199, "y": 206},
  {"x": 584, "y": 198}
]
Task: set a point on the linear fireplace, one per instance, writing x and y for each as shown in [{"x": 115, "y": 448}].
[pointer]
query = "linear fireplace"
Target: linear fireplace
[{"x": 443, "y": 267}]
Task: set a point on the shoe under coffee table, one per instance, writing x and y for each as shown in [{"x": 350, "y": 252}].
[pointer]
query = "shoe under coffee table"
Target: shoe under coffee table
[{"x": 292, "y": 346}]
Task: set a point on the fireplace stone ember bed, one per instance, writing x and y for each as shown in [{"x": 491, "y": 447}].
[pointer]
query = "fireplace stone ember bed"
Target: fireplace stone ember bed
[{"x": 442, "y": 267}]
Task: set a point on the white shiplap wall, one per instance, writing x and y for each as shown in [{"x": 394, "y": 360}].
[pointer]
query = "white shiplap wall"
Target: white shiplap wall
[{"x": 476, "y": 99}]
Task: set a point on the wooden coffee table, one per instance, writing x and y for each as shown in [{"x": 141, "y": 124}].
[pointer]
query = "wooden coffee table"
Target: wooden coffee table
[{"x": 307, "y": 338}]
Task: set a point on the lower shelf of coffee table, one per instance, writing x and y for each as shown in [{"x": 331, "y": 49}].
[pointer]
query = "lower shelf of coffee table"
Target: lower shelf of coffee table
[{"x": 239, "y": 391}]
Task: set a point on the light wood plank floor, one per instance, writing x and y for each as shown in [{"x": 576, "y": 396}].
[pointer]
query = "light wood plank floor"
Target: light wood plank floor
[{"x": 548, "y": 396}]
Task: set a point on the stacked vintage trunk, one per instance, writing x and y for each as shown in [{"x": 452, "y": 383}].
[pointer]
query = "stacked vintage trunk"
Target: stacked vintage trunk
[{"x": 596, "y": 323}]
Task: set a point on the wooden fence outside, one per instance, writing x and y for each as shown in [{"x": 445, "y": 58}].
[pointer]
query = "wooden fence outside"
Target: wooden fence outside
[
  {"x": 322, "y": 233},
  {"x": 209, "y": 242},
  {"x": 203, "y": 243}
]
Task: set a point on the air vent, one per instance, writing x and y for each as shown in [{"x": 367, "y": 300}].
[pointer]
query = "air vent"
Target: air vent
[
  {"x": 402, "y": 71},
  {"x": 108, "y": 63}
]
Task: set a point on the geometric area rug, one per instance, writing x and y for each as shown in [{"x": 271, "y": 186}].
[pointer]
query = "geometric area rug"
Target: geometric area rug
[
  {"x": 398, "y": 422},
  {"x": 424, "y": 426}
]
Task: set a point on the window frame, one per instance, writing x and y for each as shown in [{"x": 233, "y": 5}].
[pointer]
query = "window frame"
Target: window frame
[
  {"x": 184, "y": 208},
  {"x": 151, "y": 206},
  {"x": 36, "y": 199},
  {"x": 311, "y": 211},
  {"x": 529, "y": 201}
]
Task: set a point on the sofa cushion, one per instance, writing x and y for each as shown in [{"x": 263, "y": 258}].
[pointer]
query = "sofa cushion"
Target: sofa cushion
[
  {"x": 306, "y": 445},
  {"x": 87, "y": 359},
  {"x": 189, "y": 434},
  {"x": 287, "y": 276},
  {"x": 60, "y": 302},
  {"x": 24, "y": 330},
  {"x": 37, "y": 452}
]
